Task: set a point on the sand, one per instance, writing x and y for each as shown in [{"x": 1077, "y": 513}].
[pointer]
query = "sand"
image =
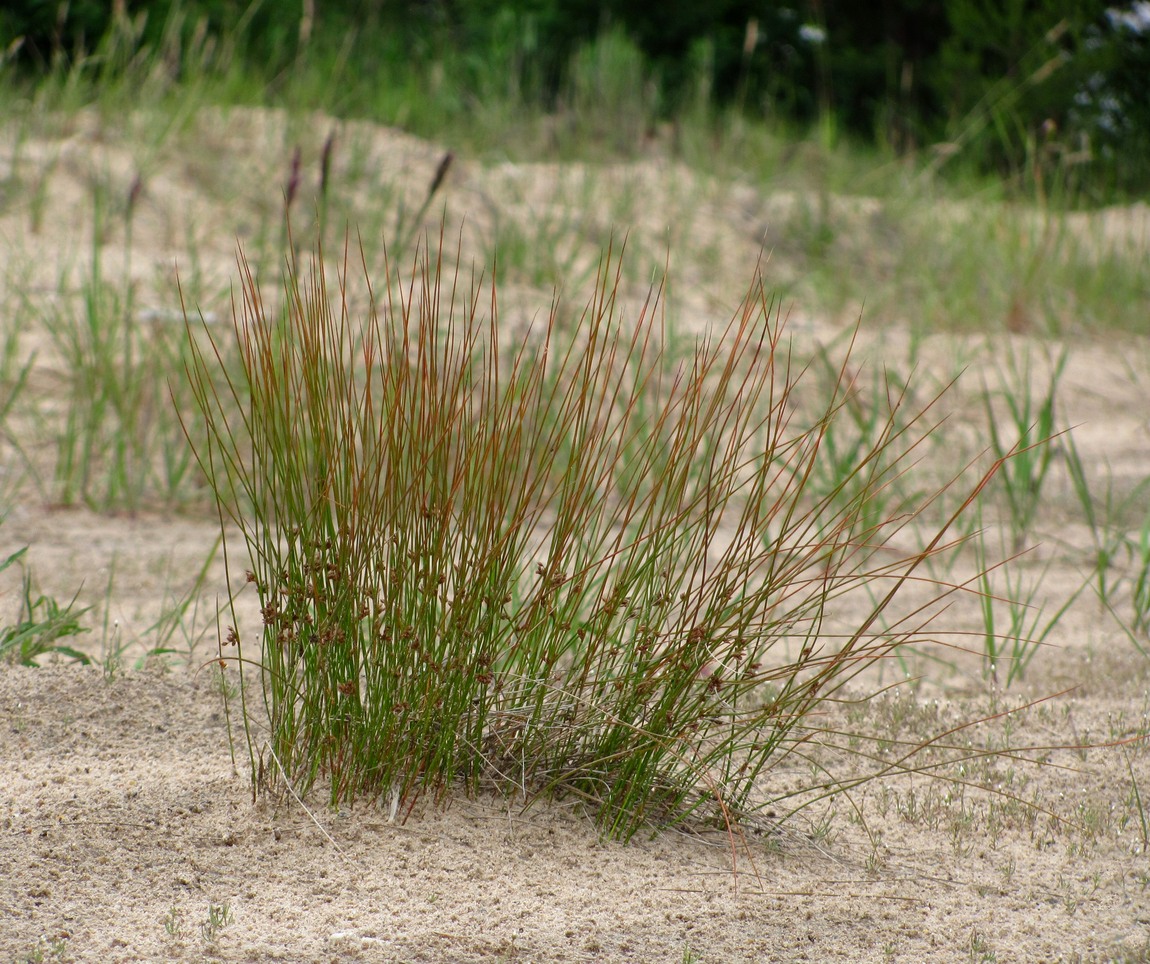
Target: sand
[{"x": 127, "y": 826}]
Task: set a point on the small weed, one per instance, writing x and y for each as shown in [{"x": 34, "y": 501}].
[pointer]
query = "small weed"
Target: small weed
[
  {"x": 1026, "y": 450},
  {"x": 822, "y": 830},
  {"x": 46, "y": 949},
  {"x": 227, "y": 689},
  {"x": 1071, "y": 902},
  {"x": 13, "y": 374},
  {"x": 174, "y": 921},
  {"x": 179, "y": 617},
  {"x": 219, "y": 917},
  {"x": 1120, "y": 530},
  {"x": 1139, "y": 806},
  {"x": 1140, "y": 552},
  {"x": 40, "y": 624},
  {"x": 1007, "y": 870},
  {"x": 112, "y": 642},
  {"x": 865, "y": 442},
  {"x": 980, "y": 950},
  {"x": 1012, "y": 643}
]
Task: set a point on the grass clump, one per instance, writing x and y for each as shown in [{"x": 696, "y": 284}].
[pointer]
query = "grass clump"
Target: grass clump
[
  {"x": 592, "y": 562},
  {"x": 41, "y": 624}
]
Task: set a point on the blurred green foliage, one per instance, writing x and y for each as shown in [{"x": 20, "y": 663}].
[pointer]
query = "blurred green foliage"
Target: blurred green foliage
[{"x": 1012, "y": 87}]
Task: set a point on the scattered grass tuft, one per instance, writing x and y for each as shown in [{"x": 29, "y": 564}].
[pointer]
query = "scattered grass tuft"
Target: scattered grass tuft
[
  {"x": 1120, "y": 530},
  {"x": 1015, "y": 623},
  {"x": 219, "y": 918},
  {"x": 118, "y": 442},
  {"x": 40, "y": 625},
  {"x": 1026, "y": 447}
]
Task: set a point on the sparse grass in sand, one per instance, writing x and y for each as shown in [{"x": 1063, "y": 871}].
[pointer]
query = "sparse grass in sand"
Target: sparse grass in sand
[
  {"x": 41, "y": 624},
  {"x": 654, "y": 504}
]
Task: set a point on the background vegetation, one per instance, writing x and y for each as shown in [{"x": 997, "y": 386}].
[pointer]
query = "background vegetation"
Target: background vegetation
[{"x": 1019, "y": 89}]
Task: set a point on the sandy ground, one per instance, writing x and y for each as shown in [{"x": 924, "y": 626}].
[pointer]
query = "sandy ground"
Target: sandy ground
[
  {"x": 127, "y": 829},
  {"x": 123, "y": 821}
]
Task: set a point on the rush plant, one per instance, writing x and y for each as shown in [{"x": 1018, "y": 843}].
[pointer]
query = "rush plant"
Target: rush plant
[{"x": 587, "y": 563}]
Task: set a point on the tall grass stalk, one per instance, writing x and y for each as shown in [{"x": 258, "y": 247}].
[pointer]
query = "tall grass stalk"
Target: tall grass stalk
[{"x": 579, "y": 564}]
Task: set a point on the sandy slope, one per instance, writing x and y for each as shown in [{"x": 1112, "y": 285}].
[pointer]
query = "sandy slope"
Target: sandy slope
[{"x": 123, "y": 818}]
